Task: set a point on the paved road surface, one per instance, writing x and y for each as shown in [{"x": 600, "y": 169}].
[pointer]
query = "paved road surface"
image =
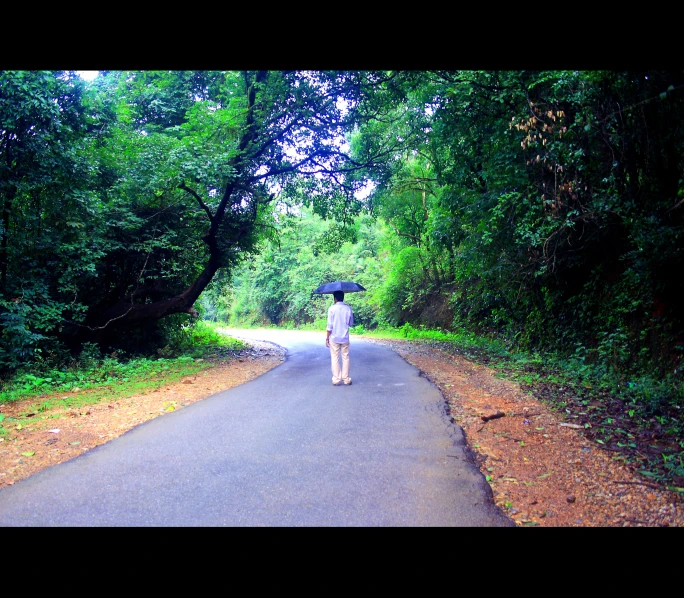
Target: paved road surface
[{"x": 286, "y": 449}]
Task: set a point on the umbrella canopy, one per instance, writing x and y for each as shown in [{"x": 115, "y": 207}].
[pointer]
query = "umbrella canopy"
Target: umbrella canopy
[{"x": 339, "y": 285}]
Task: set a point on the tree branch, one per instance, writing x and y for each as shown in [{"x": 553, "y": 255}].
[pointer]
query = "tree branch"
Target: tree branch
[{"x": 204, "y": 206}]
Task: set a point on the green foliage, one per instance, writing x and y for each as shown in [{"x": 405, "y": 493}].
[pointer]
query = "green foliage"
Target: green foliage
[
  {"x": 407, "y": 286},
  {"x": 92, "y": 369},
  {"x": 196, "y": 338},
  {"x": 45, "y": 203},
  {"x": 19, "y": 343},
  {"x": 276, "y": 288},
  {"x": 539, "y": 208},
  {"x": 119, "y": 196},
  {"x": 463, "y": 339},
  {"x": 529, "y": 201}
]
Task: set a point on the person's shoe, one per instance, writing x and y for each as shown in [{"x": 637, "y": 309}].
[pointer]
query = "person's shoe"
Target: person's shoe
[
  {"x": 335, "y": 383},
  {"x": 348, "y": 383}
]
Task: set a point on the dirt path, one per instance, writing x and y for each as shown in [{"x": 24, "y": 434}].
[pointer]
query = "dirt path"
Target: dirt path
[
  {"x": 58, "y": 435},
  {"x": 542, "y": 473}
]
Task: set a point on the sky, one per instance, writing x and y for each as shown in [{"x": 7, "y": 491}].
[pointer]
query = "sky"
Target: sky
[{"x": 87, "y": 75}]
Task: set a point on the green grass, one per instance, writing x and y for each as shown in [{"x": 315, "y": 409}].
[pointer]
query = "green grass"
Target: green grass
[
  {"x": 143, "y": 380},
  {"x": 110, "y": 376},
  {"x": 466, "y": 342}
]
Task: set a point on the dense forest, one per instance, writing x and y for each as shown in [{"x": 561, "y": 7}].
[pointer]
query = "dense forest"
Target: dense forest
[{"x": 543, "y": 208}]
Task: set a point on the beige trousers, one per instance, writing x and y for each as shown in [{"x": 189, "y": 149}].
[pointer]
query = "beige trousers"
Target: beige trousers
[{"x": 337, "y": 350}]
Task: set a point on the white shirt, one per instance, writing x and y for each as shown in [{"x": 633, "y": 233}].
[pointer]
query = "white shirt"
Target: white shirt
[{"x": 340, "y": 318}]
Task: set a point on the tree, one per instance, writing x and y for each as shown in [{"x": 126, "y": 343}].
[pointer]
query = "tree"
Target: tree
[
  {"x": 557, "y": 205},
  {"x": 45, "y": 202},
  {"x": 196, "y": 163},
  {"x": 275, "y": 288}
]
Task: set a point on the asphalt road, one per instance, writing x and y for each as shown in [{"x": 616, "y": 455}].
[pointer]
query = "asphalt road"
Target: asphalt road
[{"x": 286, "y": 449}]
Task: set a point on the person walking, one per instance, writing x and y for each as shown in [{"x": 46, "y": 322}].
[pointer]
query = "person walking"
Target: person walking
[{"x": 340, "y": 319}]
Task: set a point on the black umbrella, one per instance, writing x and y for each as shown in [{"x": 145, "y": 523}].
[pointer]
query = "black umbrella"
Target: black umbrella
[{"x": 339, "y": 285}]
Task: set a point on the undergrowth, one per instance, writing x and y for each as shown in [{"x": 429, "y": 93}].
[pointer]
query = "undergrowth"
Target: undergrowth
[
  {"x": 636, "y": 417},
  {"x": 115, "y": 373}
]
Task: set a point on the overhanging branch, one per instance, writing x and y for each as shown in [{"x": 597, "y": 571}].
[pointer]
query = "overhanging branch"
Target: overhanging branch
[{"x": 204, "y": 206}]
